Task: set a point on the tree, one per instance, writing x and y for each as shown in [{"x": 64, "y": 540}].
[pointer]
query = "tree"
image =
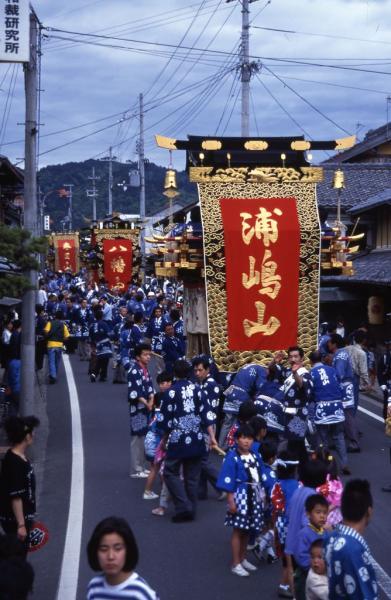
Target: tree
[{"x": 18, "y": 251}]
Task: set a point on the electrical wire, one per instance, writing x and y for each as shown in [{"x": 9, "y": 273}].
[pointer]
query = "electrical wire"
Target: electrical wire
[
  {"x": 161, "y": 73},
  {"x": 285, "y": 110},
  {"x": 254, "y": 112},
  {"x": 307, "y": 101},
  {"x": 8, "y": 102},
  {"x": 324, "y": 35},
  {"x": 233, "y": 108},
  {"x": 230, "y": 95},
  {"x": 220, "y": 52},
  {"x": 152, "y": 21}
]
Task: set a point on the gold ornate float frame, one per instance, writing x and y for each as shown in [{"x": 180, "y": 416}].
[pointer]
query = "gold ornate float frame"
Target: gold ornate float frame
[{"x": 272, "y": 182}]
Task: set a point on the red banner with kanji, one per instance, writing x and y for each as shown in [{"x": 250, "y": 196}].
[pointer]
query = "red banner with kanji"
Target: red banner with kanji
[
  {"x": 117, "y": 257},
  {"x": 66, "y": 248},
  {"x": 262, "y": 254}
]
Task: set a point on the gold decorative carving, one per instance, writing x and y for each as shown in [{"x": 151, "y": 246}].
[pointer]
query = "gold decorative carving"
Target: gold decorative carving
[
  {"x": 165, "y": 142},
  {"x": 256, "y": 175},
  {"x": 210, "y": 193},
  {"x": 112, "y": 234},
  {"x": 345, "y": 143},
  {"x": 300, "y": 145},
  {"x": 256, "y": 145},
  {"x": 211, "y": 145}
]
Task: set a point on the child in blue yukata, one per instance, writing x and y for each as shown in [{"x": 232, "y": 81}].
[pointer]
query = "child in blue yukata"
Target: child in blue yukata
[
  {"x": 316, "y": 507},
  {"x": 317, "y": 586},
  {"x": 154, "y": 436},
  {"x": 281, "y": 495},
  {"x": 247, "y": 410},
  {"x": 240, "y": 477},
  {"x": 350, "y": 569},
  {"x": 312, "y": 474},
  {"x": 265, "y": 543}
]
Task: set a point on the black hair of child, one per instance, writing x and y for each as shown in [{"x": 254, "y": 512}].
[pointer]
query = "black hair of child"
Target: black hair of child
[
  {"x": 317, "y": 544},
  {"x": 257, "y": 423},
  {"x": 315, "y": 500},
  {"x": 17, "y": 428},
  {"x": 120, "y": 527},
  {"x": 313, "y": 473},
  {"x": 142, "y": 348},
  {"x": 268, "y": 450},
  {"x": 286, "y": 471},
  {"x": 163, "y": 377},
  {"x": 356, "y": 500},
  {"x": 181, "y": 369},
  {"x": 245, "y": 430},
  {"x": 246, "y": 410}
]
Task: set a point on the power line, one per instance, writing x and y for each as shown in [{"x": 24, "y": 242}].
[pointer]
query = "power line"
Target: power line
[
  {"x": 307, "y": 101},
  {"x": 325, "y": 35},
  {"x": 230, "y": 95},
  {"x": 175, "y": 50},
  {"x": 219, "y": 52},
  {"x": 233, "y": 108},
  {"x": 285, "y": 110}
]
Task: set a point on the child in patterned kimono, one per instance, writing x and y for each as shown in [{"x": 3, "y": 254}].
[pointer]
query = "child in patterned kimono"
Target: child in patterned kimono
[
  {"x": 332, "y": 489},
  {"x": 281, "y": 495},
  {"x": 240, "y": 477}
]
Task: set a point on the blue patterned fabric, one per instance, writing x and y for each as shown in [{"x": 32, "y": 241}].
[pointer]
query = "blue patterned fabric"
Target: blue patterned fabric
[
  {"x": 185, "y": 416},
  {"x": 349, "y": 566},
  {"x": 139, "y": 386},
  {"x": 328, "y": 395},
  {"x": 344, "y": 371}
]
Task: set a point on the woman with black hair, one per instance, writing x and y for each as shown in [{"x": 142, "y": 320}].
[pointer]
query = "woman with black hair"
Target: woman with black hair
[
  {"x": 17, "y": 479},
  {"x": 112, "y": 549}
]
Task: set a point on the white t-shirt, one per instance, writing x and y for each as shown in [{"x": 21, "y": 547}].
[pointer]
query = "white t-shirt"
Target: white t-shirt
[{"x": 133, "y": 588}]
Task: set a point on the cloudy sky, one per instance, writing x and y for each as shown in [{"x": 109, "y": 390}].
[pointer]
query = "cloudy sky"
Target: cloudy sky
[{"x": 195, "y": 89}]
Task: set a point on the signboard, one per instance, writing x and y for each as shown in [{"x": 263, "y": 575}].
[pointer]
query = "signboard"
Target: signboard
[
  {"x": 262, "y": 257},
  {"x": 66, "y": 248},
  {"x": 14, "y": 31},
  {"x": 117, "y": 259}
]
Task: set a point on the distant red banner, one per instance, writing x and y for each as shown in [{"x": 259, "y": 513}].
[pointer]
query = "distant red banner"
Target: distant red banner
[
  {"x": 117, "y": 256},
  {"x": 66, "y": 253},
  {"x": 262, "y": 253}
]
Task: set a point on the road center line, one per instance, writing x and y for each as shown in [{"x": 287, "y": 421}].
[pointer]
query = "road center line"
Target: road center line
[
  {"x": 70, "y": 561},
  {"x": 371, "y": 414}
]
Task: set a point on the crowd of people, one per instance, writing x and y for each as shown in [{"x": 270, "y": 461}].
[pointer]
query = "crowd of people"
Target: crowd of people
[{"x": 285, "y": 431}]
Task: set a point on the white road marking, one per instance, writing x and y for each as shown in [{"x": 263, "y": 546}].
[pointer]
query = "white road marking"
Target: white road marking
[
  {"x": 69, "y": 577},
  {"x": 371, "y": 414}
]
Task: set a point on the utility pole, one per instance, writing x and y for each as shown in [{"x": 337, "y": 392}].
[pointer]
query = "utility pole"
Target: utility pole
[
  {"x": 93, "y": 193},
  {"x": 70, "y": 199},
  {"x": 110, "y": 159},
  {"x": 246, "y": 67},
  {"x": 30, "y": 221},
  {"x": 141, "y": 167},
  {"x": 110, "y": 180}
]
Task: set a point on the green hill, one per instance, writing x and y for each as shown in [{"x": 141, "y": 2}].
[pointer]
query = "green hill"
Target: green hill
[{"x": 54, "y": 177}]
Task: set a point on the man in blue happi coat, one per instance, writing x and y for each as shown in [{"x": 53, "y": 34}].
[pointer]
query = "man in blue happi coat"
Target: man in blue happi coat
[
  {"x": 173, "y": 348},
  {"x": 246, "y": 384},
  {"x": 140, "y": 398},
  {"x": 185, "y": 418},
  {"x": 329, "y": 415},
  {"x": 350, "y": 569},
  {"x": 345, "y": 375}
]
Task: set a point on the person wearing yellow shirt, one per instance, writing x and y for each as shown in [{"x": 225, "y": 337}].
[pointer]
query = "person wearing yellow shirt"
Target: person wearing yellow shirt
[{"x": 56, "y": 333}]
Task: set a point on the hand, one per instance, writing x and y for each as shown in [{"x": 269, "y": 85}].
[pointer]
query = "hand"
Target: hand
[
  {"x": 295, "y": 368},
  {"x": 232, "y": 507},
  {"x": 279, "y": 357},
  {"x": 22, "y": 533}
]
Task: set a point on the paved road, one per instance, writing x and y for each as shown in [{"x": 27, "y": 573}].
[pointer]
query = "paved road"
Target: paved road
[{"x": 182, "y": 560}]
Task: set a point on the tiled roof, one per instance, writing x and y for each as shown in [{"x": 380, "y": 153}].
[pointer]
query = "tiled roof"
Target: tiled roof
[
  {"x": 372, "y": 268},
  {"x": 379, "y": 199},
  {"x": 362, "y": 181}
]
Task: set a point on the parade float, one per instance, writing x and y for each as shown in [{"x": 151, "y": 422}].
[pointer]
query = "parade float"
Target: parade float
[{"x": 261, "y": 243}]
